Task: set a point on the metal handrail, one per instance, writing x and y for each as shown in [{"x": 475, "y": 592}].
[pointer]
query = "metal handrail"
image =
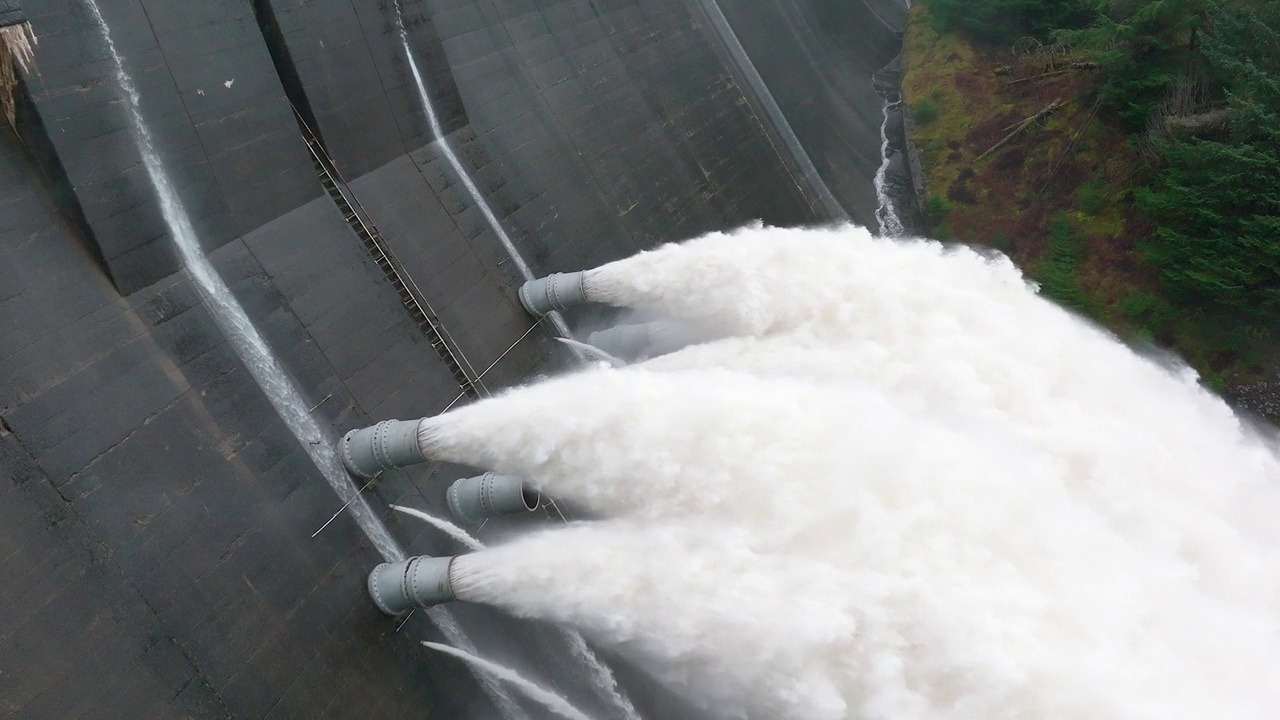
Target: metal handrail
[{"x": 360, "y": 213}]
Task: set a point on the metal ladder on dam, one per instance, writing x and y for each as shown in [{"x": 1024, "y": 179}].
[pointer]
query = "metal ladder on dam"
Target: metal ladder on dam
[{"x": 411, "y": 297}]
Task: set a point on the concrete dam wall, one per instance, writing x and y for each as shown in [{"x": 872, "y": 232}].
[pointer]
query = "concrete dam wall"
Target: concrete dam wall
[{"x": 159, "y": 554}]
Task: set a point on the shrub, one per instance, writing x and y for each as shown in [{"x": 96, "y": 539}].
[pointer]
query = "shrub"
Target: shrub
[
  {"x": 1092, "y": 197},
  {"x": 1057, "y": 272},
  {"x": 1002, "y": 242},
  {"x": 937, "y": 207},
  {"x": 1003, "y": 21},
  {"x": 1146, "y": 312},
  {"x": 924, "y": 112}
]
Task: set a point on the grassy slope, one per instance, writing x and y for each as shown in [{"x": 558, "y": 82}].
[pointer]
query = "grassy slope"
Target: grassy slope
[{"x": 1075, "y": 230}]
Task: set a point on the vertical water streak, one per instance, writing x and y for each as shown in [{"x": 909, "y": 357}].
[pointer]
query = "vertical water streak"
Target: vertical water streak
[
  {"x": 606, "y": 684},
  {"x": 801, "y": 157},
  {"x": 886, "y": 213},
  {"x": 532, "y": 690},
  {"x": 230, "y": 316},
  {"x": 450, "y": 628},
  {"x": 265, "y": 368},
  {"x": 604, "y": 681},
  {"x": 437, "y": 132}
]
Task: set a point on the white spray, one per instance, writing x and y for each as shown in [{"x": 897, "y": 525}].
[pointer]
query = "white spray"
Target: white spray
[
  {"x": 966, "y": 503},
  {"x": 605, "y": 683}
]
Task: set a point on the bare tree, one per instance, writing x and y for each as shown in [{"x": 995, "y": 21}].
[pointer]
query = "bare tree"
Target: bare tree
[
  {"x": 17, "y": 49},
  {"x": 1189, "y": 108}
]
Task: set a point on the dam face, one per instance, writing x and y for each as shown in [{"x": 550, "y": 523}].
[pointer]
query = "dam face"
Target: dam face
[{"x": 157, "y": 556}]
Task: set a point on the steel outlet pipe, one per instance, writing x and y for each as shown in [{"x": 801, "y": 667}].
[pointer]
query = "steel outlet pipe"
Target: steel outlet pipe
[
  {"x": 627, "y": 342},
  {"x": 389, "y": 444},
  {"x": 418, "y": 582},
  {"x": 558, "y": 291},
  {"x": 647, "y": 340},
  {"x": 490, "y": 495}
]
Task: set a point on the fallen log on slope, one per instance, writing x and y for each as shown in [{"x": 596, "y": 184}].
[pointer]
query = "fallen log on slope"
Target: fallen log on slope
[
  {"x": 1049, "y": 109},
  {"x": 1063, "y": 71}
]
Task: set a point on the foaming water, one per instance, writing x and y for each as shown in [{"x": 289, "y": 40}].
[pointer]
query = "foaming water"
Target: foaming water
[
  {"x": 886, "y": 213},
  {"x": 604, "y": 683},
  {"x": 904, "y": 486}
]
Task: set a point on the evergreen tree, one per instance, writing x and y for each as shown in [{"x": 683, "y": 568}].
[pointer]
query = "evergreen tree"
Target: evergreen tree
[
  {"x": 1142, "y": 46},
  {"x": 1004, "y": 21},
  {"x": 1217, "y": 201}
]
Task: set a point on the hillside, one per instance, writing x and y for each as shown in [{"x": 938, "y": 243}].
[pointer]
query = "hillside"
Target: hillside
[{"x": 1057, "y": 194}]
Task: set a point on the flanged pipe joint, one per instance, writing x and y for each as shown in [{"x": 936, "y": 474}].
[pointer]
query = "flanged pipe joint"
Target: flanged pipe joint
[
  {"x": 418, "y": 582},
  {"x": 389, "y": 444},
  {"x": 474, "y": 499},
  {"x": 557, "y": 291}
]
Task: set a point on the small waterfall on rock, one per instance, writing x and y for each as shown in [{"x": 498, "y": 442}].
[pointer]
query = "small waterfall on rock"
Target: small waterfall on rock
[{"x": 886, "y": 214}]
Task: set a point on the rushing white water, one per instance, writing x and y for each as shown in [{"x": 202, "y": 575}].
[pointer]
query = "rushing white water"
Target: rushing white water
[
  {"x": 835, "y": 211},
  {"x": 905, "y": 487},
  {"x": 442, "y": 142},
  {"x": 532, "y": 690},
  {"x": 604, "y": 681},
  {"x": 886, "y": 214},
  {"x": 266, "y": 369}
]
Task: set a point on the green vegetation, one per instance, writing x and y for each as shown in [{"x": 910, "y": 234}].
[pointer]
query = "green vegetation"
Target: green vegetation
[
  {"x": 1092, "y": 197},
  {"x": 925, "y": 111},
  {"x": 1058, "y": 271},
  {"x": 1001, "y": 21},
  {"x": 1216, "y": 200},
  {"x": 1150, "y": 200},
  {"x": 937, "y": 207},
  {"x": 1147, "y": 312}
]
